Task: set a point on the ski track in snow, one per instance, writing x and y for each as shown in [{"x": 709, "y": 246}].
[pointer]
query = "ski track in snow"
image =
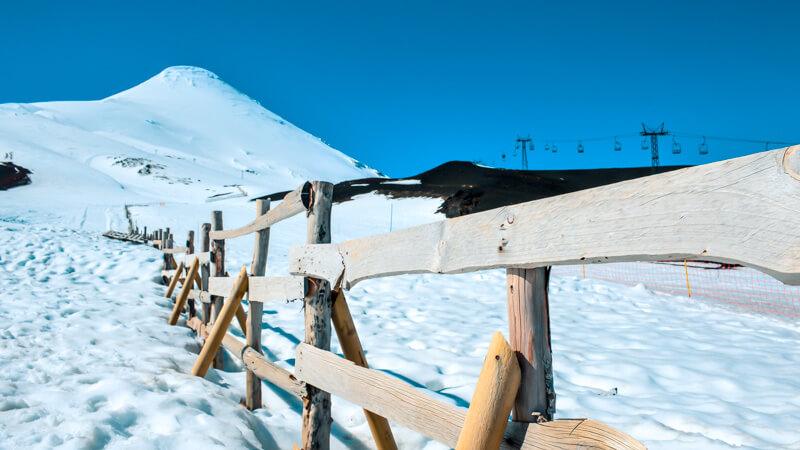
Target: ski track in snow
[{"x": 88, "y": 360}]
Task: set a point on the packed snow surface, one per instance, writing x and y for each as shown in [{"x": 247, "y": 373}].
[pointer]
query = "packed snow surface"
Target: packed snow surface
[{"x": 87, "y": 359}]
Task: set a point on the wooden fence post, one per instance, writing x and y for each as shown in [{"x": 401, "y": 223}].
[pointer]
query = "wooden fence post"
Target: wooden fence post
[
  {"x": 218, "y": 248},
  {"x": 205, "y": 270},
  {"x": 190, "y": 251},
  {"x": 256, "y": 309},
  {"x": 487, "y": 416},
  {"x": 317, "y": 407},
  {"x": 529, "y": 336},
  {"x": 353, "y": 351}
]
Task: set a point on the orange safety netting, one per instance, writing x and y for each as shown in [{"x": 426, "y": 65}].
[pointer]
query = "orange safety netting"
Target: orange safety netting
[{"x": 727, "y": 283}]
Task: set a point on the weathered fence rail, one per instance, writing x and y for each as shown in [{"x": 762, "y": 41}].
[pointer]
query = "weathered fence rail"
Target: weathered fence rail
[{"x": 743, "y": 210}]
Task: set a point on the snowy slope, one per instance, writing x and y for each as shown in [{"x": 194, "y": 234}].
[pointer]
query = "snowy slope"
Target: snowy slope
[
  {"x": 88, "y": 361},
  {"x": 182, "y": 136},
  {"x": 96, "y": 365}
]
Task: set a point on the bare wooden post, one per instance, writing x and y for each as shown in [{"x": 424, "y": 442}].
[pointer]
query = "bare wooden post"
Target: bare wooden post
[
  {"x": 529, "y": 336},
  {"x": 491, "y": 402},
  {"x": 190, "y": 251},
  {"x": 205, "y": 269},
  {"x": 256, "y": 309},
  {"x": 220, "y": 328},
  {"x": 317, "y": 406},
  {"x": 353, "y": 351},
  {"x": 218, "y": 248}
]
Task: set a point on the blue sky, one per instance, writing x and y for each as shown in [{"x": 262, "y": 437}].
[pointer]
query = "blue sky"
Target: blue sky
[{"x": 404, "y": 86}]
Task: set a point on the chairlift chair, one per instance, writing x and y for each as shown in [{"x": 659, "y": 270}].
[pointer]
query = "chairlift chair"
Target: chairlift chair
[
  {"x": 555, "y": 148},
  {"x": 703, "y": 147},
  {"x": 580, "y": 147},
  {"x": 547, "y": 146},
  {"x": 676, "y": 147},
  {"x": 617, "y": 145}
]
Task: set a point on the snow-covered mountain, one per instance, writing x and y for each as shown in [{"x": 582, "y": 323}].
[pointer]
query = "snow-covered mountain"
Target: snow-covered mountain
[{"x": 182, "y": 136}]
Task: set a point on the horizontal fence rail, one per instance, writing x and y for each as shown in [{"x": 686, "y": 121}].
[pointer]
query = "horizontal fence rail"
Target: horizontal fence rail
[{"x": 744, "y": 210}]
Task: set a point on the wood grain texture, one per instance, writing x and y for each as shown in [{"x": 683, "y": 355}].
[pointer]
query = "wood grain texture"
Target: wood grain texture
[
  {"x": 529, "y": 337},
  {"x": 218, "y": 250},
  {"x": 353, "y": 351},
  {"x": 205, "y": 269},
  {"x": 317, "y": 406},
  {"x": 292, "y": 204},
  {"x": 401, "y": 403},
  {"x": 262, "y": 289},
  {"x": 173, "y": 280},
  {"x": 255, "y": 309},
  {"x": 493, "y": 398},
  {"x": 264, "y": 368},
  {"x": 744, "y": 210},
  {"x": 176, "y": 250},
  {"x": 220, "y": 327},
  {"x": 180, "y": 302}
]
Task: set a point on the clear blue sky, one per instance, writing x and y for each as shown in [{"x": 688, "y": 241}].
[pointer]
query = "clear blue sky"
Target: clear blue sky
[{"x": 404, "y": 86}]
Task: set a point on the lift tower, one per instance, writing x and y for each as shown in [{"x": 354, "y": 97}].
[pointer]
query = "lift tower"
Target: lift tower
[
  {"x": 522, "y": 143},
  {"x": 654, "y": 133}
]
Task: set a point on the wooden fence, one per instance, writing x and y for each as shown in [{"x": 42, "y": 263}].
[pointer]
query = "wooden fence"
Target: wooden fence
[{"x": 743, "y": 210}]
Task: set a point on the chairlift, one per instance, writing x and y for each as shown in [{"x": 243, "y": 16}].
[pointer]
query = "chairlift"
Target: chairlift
[
  {"x": 645, "y": 144},
  {"x": 504, "y": 157},
  {"x": 580, "y": 147},
  {"x": 555, "y": 148},
  {"x": 703, "y": 147},
  {"x": 530, "y": 146},
  {"x": 676, "y": 147},
  {"x": 617, "y": 145},
  {"x": 547, "y": 146}
]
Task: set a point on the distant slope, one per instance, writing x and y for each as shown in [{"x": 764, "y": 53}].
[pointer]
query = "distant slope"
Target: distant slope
[
  {"x": 182, "y": 136},
  {"x": 466, "y": 188}
]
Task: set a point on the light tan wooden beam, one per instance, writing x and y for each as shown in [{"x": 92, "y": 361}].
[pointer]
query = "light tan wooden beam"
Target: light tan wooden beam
[
  {"x": 264, "y": 368},
  {"x": 744, "y": 210},
  {"x": 402, "y": 403},
  {"x": 220, "y": 327},
  {"x": 262, "y": 289},
  {"x": 491, "y": 402},
  {"x": 184, "y": 294},
  {"x": 176, "y": 250},
  {"x": 292, "y": 204},
  {"x": 173, "y": 283},
  {"x": 353, "y": 351}
]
